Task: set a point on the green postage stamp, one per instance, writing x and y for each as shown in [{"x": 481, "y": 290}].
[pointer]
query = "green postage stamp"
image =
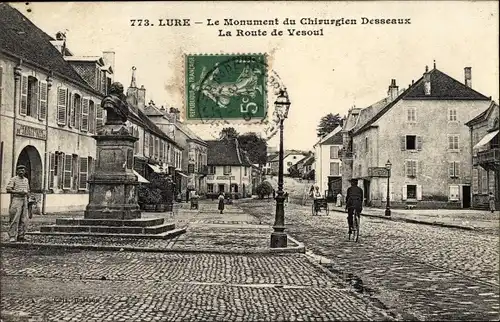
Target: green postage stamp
[{"x": 226, "y": 87}]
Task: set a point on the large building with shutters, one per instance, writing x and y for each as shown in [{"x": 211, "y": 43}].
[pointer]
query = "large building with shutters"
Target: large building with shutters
[
  {"x": 49, "y": 112},
  {"x": 421, "y": 130}
]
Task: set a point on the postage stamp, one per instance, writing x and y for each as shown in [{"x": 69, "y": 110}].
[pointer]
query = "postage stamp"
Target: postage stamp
[{"x": 229, "y": 87}]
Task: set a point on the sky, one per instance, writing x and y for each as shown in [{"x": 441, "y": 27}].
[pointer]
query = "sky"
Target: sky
[{"x": 350, "y": 65}]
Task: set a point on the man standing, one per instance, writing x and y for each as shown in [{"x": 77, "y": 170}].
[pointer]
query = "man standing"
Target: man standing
[
  {"x": 19, "y": 189},
  {"x": 354, "y": 201}
]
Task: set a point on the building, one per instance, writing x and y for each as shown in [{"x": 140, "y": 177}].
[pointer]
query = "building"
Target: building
[
  {"x": 301, "y": 168},
  {"x": 422, "y": 132},
  {"x": 193, "y": 171},
  {"x": 154, "y": 151},
  {"x": 328, "y": 166},
  {"x": 229, "y": 169},
  {"x": 484, "y": 129},
  {"x": 271, "y": 163},
  {"x": 308, "y": 168},
  {"x": 290, "y": 158},
  {"x": 49, "y": 113}
]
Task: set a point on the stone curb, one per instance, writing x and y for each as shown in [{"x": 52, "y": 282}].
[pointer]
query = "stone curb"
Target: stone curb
[
  {"x": 413, "y": 221},
  {"x": 296, "y": 249}
]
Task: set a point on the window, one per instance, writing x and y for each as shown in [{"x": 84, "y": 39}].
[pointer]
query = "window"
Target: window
[
  {"x": 454, "y": 192},
  {"x": 75, "y": 111},
  {"x": 452, "y": 114},
  {"x": 246, "y": 172},
  {"x": 411, "y": 168},
  {"x": 227, "y": 169},
  {"x": 151, "y": 145},
  {"x": 157, "y": 147},
  {"x": 75, "y": 160},
  {"x": 146, "y": 143},
  {"x": 210, "y": 187},
  {"x": 59, "y": 169},
  {"x": 234, "y": 187},
  {"x": 412, "y": 117},
  {"x": 453, "y": 142},
  {"x": 29, "y": 95},
  {"x": 334, "y": 152},
  {"x": 334, "y": 169},
  {"x": 84, "y": 172},
  {"x": 366, "y": 144},
  {"x": 411, "y": 191},
  {"x": 475, "y": 181},
  {"x": 42, "y": 95},
  {"x": 221, "y": 188},
  {"x": 52, "y": 169},
  {"x": 211, "y": 169},
  {"x": 62, "y": 102},
  {"x": 484, "y": 181},
  {"x": 162, "y": 148},
  {"x": 454, "y": 169},
  {"x": 92, "y": 117},
  {"x": 411, "y": 142}
]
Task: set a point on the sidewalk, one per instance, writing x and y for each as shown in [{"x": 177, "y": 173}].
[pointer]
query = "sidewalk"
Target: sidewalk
[
  {"x": 452, "y": 218},
  {"x": 207, "y": 231}
]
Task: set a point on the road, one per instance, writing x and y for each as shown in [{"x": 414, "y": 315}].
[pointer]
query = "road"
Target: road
[{"x": 419, "y": 271}]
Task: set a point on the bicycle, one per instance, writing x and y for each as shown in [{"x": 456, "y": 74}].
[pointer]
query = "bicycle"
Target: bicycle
[{"x": 319, "y": 204}]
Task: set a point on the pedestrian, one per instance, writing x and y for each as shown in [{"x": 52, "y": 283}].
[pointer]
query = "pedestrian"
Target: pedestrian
[
  {"x": 221, "y": 202},
  {"x": 286, "y": 197},
  {"x": 187, "y": 195},
  {"x": 339, "y": 200},
  {"x": 491, "y": 200},
  {"x": 274, "y": 194},
  {"x": 19, "y": 189}
]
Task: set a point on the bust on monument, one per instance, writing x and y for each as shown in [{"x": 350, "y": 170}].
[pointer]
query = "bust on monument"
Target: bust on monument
[{"x": 115, "y": 104}]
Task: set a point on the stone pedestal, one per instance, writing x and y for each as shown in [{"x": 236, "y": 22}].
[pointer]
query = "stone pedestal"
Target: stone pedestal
[{"x": 113, "y": 186}]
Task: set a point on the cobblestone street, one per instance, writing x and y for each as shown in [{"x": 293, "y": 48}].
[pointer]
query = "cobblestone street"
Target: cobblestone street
[
  {"x": 79, "y": 285},
  {"x": 421, "y": 271}
]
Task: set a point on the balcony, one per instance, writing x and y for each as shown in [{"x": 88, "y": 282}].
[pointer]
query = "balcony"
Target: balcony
[{"x": 489, "y": 159}]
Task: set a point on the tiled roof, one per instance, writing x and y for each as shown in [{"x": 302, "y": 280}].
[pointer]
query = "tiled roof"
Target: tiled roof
[
  {"x": 484, "y": 115},
  {"x": 152, "y": 127},
  {"x": 225, "y": 152},
  {"x": 22, "y": 39},
  {"x": 443, "y": 87},
  {"x": 151, "y": 110},
  {"x": 334, "y": 139}
]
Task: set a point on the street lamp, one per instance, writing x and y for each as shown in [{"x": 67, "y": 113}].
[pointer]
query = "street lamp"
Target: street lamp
[
  {"x": 278, "y": 237},
  {"x": 387, "y": 206}
]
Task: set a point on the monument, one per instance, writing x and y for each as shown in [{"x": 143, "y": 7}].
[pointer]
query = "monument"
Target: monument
[{"x": 113, "y": 209}]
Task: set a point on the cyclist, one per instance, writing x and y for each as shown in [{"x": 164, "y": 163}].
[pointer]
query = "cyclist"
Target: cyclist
[
  {"x": 316, "y": 195},
  {"x": 354, "y": 201}
]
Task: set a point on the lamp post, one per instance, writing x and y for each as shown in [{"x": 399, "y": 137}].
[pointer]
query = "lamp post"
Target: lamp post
[
  {"x": 387, "y": 206},
  {"x": 278, "y": 237}
]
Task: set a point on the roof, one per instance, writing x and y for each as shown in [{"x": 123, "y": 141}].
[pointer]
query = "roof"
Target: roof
[
  {"x": 287, "y": 153},
  {"x": 226, "y": 152},
  {"x": 151, "y": 110},
  {"x": 443, "y": 87},
  {"x": 93, "y": 59},
  {"x": 334, "y": 137},
  {"x": 484, "y": 115},
  {"x": 24, "y": 40},
  {"x": 152, "y": 127},
  {"x": 309, "y": 161}
]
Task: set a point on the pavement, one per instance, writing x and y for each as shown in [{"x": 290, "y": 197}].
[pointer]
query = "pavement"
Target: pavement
[
  {"x": 70, "y": 284},
  {"x": 420, "y": 272}
]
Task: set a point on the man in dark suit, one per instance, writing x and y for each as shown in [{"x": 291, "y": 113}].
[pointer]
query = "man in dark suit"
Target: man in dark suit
[{"x": 354, "y": 201}]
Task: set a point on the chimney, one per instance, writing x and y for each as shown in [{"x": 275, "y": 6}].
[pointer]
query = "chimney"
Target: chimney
[
  {"x": 427, "y": 81},
  {"x": 392, "y": 93},
  {"x": 141, "y": 98},
  {"x": 132, "y": 92},
  {"x": 109, "y": 58},
  {"x": 468, "y": 77}
]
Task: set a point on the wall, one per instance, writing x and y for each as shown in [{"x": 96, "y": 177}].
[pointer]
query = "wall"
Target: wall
[
  {"x": 433, "y": 126},
  {"x": 239, "y": 178},
  {"x": 323, "y": 161}
]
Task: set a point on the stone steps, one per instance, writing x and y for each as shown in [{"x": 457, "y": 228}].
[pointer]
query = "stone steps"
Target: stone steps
[
  {"x": 150, "y": 230},
  {"x": 165, "y": 235},
  {"x": 140, "y": 222}
]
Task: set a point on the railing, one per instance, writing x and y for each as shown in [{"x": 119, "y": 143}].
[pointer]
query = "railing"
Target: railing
[{"x": 488, "y": 156}]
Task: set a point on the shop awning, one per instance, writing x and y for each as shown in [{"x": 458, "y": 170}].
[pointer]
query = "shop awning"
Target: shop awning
[
  {"x": 181, "y": 173},
  {"x": 487, "y": 138},
  {"x": 156, "y": 168},
  {"x": 140, "y": 178}
]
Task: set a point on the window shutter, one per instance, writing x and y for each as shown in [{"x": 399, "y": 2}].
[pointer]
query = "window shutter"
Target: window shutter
[
  {"x": 84, "y": 170},
  {"x": 91, "y": 117},
  {"x": 85, "y": 115},
  {"x": 405, "y": 192},
  {"x": 451, "y": 167},
  {"x": 403, "y": 142},
  {"x": 146, "y": 143},
  {"x": 35, "y": 99},
  {"x": 60, "y": 169},
  {"x": 71, "y": 112},
  {"x": 61, "y": 105},
  {"x": 162, "y": 146},
  {"x": 42, "y": 115},
  {"x": 67, "y": 171},
  {"x": 408, "y": 168},
  {"x": 24, "y": 95},
  {"x": 99, "y": 119},
  {"x": 419, "y": 192},
  {"x": 475, "y": 178},
  {"x": 457, "y": 169},
  {"x": 151, "y": 146},
  {"x": 419, "y": 142},
  {"x": 52, "y": 168}
]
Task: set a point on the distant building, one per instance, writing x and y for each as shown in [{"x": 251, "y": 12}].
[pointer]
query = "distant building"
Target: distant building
[
  {"x": 328, "y": 166},
  {"x": 422, "y": 132},
  {"x": 485, "y": 156},
  {"x": 229, "y": 169}
]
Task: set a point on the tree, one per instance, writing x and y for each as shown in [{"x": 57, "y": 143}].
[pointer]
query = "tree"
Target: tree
[
  {"x": 264, "y": 189},
  {"x": 229, "y": 132},
  {"x": 255, "y": 146},
  {"x": 328, "y": 123}
]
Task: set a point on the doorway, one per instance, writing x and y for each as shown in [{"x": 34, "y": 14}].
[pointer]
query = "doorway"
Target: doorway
[
  {"x": 366, "y": 192},
  {"x": 30, "y": 158},
  {"x": 466, "y": 198}
]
